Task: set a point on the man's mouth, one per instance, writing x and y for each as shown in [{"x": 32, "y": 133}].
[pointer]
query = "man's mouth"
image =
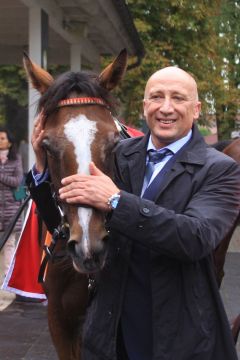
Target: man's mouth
[{"x": 166, "y": 121}]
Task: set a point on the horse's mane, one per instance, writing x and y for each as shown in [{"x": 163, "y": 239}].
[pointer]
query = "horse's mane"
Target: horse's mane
[
  {"x": 221, "y": 145},
  {"x": 82, "y": 83}
]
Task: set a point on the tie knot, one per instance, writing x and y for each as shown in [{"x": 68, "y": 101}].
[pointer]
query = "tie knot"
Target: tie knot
[{"x": 155, "y": 156}]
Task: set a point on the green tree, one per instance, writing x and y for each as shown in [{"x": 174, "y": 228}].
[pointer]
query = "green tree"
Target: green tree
[
  {"x": 13, "y": 100},
  {"x": 228, "y": 46},
  {"x": 187, "y": 33}
]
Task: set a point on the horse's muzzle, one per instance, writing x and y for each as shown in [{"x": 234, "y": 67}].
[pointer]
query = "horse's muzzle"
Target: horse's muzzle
[{"x": 90, "y": 262}]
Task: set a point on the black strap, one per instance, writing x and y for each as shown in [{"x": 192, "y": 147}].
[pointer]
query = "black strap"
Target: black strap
[
  {"x": 10, "y": 227},
  {"x": 123, "y": 130}
]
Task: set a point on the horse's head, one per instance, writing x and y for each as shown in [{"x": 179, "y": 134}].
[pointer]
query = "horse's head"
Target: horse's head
[{"x": 79, "y": 128}]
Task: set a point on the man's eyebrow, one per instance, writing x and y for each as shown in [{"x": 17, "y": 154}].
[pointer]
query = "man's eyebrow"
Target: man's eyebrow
[{"x": 154, "y": 92}]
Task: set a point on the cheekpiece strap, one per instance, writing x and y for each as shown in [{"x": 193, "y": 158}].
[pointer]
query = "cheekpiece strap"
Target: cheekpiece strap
[{"x": 82, "y": 101}]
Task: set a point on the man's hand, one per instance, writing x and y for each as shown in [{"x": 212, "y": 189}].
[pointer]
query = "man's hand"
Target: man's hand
[
  {"x": 93, "y": 190},
  {"x": 36, "y": 140}
]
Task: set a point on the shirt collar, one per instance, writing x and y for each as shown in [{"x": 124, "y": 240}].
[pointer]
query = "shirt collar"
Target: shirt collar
[{"x": 175, "y": 146}]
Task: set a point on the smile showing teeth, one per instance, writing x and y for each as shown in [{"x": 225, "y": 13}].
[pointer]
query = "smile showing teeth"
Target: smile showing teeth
[{"x": 167, "y": 121}]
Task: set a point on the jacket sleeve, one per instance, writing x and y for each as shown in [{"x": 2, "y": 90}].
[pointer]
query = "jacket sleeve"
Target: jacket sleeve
[
  {"x": 191, "y": 234},
  {"x": 15, "y": 180},
  {"x": 45, "y": 203}
]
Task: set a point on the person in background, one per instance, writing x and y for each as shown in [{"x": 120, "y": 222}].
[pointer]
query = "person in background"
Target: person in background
[{"x": 11, "y": 174}]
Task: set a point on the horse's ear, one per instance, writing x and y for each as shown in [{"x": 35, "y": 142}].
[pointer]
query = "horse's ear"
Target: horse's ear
[
  {"x": 39, "y": 78},
  {"x": 113, "y": 73}
]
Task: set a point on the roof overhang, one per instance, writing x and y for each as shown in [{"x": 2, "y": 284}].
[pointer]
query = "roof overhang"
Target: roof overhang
[{"x": 100, "y": 26}]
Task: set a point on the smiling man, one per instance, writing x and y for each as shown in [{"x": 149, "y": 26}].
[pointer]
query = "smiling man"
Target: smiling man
[
  {"x": 170, "y": 107},
  {"x": 173, "y": 199}
]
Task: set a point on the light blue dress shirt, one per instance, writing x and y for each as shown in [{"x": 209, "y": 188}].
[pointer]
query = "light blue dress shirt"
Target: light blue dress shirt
[{"x": 174, "y": 147}]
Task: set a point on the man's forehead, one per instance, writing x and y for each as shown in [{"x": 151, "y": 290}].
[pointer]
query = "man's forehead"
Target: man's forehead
[
  {"x": 172, "y": 72},
  {"x": 172, "y": 78},
  {"x": 174, "y": 86}
]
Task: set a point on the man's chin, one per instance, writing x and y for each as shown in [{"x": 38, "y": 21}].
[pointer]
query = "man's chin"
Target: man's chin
[{"x": 163, "y": 138}]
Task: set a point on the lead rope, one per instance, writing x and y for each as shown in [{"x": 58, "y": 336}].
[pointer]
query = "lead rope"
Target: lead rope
[{"x": 59, "y": 233}]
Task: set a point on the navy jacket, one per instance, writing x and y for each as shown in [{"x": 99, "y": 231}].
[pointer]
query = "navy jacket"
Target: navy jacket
[
  {"x": 192, "y": 212},
  {"x": 195, "y": 207}
]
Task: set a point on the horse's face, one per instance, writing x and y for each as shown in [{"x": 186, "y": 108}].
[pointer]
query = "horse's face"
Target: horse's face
[
  {"x": 73, "y": 137},
  {"x": 78, "y": 137}
]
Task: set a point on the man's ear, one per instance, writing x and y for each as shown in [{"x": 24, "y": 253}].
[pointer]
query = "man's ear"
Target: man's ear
[
  {"x": 144, "y": 108},
  {"x": 197, "y": 110}
]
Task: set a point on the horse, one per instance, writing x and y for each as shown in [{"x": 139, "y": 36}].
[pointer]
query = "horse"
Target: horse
[
  {"x": 79, "y": 128},
  {"x": 232, "y": 149}
]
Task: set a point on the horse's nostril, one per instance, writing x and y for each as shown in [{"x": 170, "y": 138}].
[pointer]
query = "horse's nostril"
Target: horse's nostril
[
  {"x": 71, "y": 247},
  {"x": 91, "y": 261}
]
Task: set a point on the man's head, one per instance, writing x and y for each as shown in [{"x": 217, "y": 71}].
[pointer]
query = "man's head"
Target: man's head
[{"x": 170, "y": 105}]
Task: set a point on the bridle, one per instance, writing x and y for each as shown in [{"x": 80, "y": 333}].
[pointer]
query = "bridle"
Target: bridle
[{"x": 62, "y": 231}]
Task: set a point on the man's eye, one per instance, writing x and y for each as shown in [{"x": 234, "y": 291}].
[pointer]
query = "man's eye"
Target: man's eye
[
  {"x": 178, "y": 98},
  {"x": 156, "y": 98}
]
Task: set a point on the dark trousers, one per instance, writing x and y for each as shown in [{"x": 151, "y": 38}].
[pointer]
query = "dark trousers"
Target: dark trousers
[{"x": 121, "y": 351}]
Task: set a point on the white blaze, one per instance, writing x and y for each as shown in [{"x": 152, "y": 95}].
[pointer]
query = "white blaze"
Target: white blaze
[{"x": 80, "y": 131}]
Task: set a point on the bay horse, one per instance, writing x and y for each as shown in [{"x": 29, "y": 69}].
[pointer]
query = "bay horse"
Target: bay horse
[
  {"x": 232, "y": 149},
  {"x": 79, "y": 128}
]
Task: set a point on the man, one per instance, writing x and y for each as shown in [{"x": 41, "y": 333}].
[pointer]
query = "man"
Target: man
[{"x": 157, "y": 296}]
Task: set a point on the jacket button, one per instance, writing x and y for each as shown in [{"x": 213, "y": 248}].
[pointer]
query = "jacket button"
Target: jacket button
[{"x": 145, "y": 210}]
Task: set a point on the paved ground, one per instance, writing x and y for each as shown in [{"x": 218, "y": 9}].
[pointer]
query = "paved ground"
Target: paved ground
[
  {"x": 23, "y": 326},
  {"x": 231, "y": 288},
  {"x": 24, "y": 333}
]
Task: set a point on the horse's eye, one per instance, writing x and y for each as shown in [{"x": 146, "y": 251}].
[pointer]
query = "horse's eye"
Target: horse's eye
[
  {"x": 46, "y": 144},
  {"x": 48, "y": 147}
]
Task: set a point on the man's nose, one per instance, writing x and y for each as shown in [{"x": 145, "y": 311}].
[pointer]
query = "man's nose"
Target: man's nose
[{"x": 166, "y": 106}]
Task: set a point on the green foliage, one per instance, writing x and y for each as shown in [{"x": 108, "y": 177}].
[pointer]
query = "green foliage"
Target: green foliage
[
  {"x": 188, "y": 34},
  {"x": 13, "y": 83},
  {"x": 14, "y": 98},
  {"x": 204, "y": 131}
]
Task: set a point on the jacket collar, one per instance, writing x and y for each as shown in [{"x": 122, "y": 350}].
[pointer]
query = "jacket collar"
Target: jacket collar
[{"x": 194, "y": 154}]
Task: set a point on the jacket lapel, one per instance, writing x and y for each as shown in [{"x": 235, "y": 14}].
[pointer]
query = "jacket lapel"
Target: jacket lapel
[
  {"x": 136, "y": 160},
  {"x": 194, "y": 155}
]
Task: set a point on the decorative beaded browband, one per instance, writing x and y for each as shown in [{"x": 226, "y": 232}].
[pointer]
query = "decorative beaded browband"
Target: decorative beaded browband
[{"x": 82, "y": 101}]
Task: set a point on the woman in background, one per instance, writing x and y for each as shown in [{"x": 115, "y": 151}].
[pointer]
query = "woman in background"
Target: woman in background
[{"x": 11, "y": 174}]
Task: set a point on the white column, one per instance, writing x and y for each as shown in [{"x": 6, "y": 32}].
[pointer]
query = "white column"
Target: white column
[
  {"x": 75, "y": 57},
  {"x": 37, "y": 53}
]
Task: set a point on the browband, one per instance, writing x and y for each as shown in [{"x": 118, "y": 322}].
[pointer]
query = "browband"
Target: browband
[{"x": 82, "y": 101}]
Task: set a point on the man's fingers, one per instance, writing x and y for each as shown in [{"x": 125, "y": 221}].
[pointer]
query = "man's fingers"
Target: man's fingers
[{"x": 72, "y": 186}]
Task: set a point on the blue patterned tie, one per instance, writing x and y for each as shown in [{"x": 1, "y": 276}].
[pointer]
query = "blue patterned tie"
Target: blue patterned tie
[{"x": 155, "y": 157}]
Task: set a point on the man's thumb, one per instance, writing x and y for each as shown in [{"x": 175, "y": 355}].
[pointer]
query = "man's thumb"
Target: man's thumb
[{"x": 94, "y": 170}]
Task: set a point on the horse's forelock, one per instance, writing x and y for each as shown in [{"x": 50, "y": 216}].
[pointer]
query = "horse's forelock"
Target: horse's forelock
[{"x": 77, "y": 82}]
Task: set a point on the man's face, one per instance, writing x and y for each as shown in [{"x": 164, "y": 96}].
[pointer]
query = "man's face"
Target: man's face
[{"x": 170, "y": 105}]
